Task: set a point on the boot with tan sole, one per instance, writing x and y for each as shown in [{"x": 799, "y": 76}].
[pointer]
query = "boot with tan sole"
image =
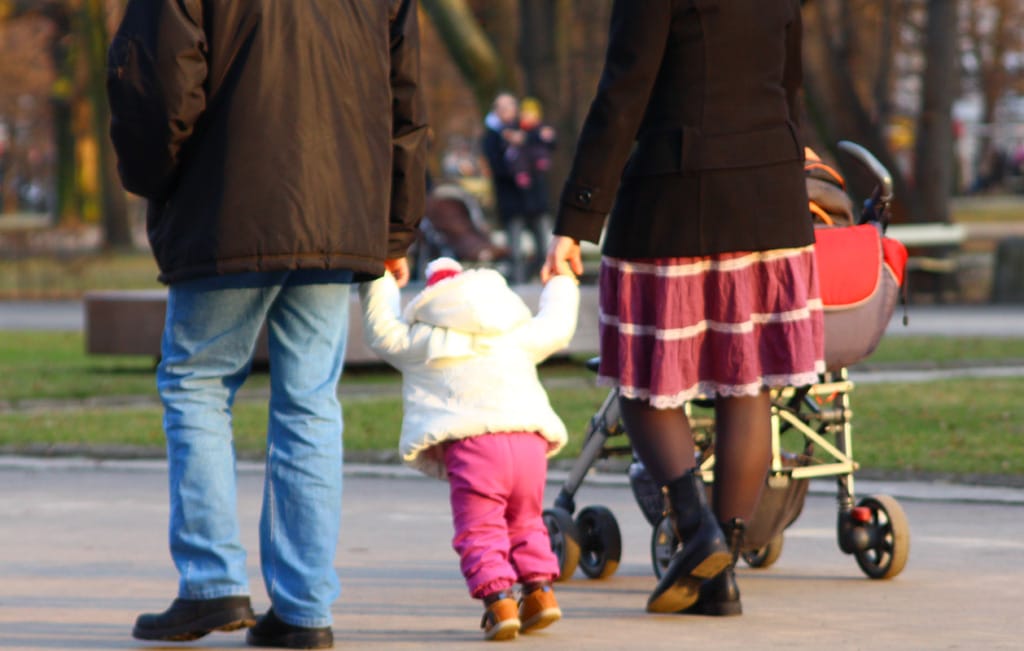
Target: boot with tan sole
[
  {"x": 704, "y": 554},
  {"x": 501, "y": 617},
  {"x": 538, "y": 608},
  {"x": 720, "y": 596}
]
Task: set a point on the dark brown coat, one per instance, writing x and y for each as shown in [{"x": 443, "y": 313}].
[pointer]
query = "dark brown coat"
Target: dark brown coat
[
  {"x": 271, "y": 134},
  {"x": 696, "y": 115}
]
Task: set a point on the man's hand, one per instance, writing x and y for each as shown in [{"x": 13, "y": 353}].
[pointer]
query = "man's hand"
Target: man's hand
[
  {"x": 399, "y": 268},
  {"x": 564, "y": 258}
]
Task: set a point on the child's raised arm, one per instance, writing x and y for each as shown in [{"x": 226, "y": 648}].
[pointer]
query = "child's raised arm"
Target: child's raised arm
[
  {"x": 383, "y": 328},
  {"x": 553, "y": 327}
]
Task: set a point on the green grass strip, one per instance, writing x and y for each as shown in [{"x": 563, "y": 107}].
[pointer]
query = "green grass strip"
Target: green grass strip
[
  {"x": 954, "y": 427},
  {"x": 54, "y": 365}
]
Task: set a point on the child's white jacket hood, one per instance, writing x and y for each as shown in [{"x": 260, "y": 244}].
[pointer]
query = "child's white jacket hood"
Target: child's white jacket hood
[
  {"x": 465, "y": 310},
  {"x": 468, "y": 347}
]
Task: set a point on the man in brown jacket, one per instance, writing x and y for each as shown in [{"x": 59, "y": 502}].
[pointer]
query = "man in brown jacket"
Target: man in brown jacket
[{"x": 264, "y": 134}]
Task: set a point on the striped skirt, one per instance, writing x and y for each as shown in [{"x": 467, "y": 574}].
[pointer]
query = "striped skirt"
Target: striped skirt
[{"x": 674, "y": 329}]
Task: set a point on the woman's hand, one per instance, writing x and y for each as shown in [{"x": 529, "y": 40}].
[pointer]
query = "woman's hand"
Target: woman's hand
[{"x": 564, "y": 258}]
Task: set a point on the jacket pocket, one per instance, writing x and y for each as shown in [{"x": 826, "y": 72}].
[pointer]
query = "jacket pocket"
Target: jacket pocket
[
  {"x": 686, "y": 149},
  {"x": 659, "y": 152}
]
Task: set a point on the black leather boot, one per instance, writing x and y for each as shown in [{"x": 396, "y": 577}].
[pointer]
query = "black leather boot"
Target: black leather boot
[
  {"x": 720, "y": 596},
  {"x": 272, "y": 631},
  {"x": 191, "y": 619},
  {"x": 704, "y": 554}
]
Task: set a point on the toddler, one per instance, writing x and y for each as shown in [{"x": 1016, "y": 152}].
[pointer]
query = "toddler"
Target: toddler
[{"x": 475, "y": 413}]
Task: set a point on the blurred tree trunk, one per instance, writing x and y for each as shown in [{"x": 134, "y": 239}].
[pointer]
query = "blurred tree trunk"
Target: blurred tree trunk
[
  {"x": 67, "y": 208},
  {"x": 933, "y": 152},
  {"x": 470, "y": 48},
  {"x": 537, "y": 49},
  {"x": 500, "y": 20},
  {"x": 835, "y": 59},
  {"x": 886, "y": 52},
  {"x": 545, "y": 48},
  {"x": 80, "y": 42},
  {"x": 68, "y": 200},
  {"x": 117, "y": 231}
]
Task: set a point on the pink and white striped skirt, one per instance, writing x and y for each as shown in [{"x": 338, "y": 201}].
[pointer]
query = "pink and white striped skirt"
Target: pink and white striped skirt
[{"x": 674, "y": 329}]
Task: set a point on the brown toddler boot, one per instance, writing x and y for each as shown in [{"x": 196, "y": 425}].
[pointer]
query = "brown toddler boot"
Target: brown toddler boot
[
  {"x": 538, "y": 608},
  {"x": 501, "y": 617}
]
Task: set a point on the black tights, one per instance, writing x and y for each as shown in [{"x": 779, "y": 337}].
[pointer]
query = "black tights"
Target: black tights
[{"x": 663, "y": 440}]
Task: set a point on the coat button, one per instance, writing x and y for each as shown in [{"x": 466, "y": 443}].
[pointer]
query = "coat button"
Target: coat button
[{"x": 584, "y": 196}]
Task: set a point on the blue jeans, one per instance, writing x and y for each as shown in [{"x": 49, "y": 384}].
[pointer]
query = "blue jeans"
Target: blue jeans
[{"x": 210, "y": 334}]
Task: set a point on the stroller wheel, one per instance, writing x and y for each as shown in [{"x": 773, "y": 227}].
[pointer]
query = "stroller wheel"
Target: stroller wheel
[
  {"x": 663, "y": 545},
  {"x": 564, "y": 540},
  {"x": 766, "y": 556},
  {"x": 600, "y": 542},
  {"x": 888, "y": 535}
]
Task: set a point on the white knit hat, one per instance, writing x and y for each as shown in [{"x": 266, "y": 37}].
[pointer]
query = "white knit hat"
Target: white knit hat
[{"x": 441, "y": 268}]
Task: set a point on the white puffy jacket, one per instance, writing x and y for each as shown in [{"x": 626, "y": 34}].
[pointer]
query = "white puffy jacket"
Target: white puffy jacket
[{"x": 467, "y": 348}]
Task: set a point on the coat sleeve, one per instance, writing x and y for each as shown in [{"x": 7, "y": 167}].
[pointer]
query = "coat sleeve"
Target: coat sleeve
[
  {"x": 792, "y": 73},
  {"x": 636, "y": 43},
  {"x": 552, "y": 328},
  {"x": 409, "y": 130},
  {"x": 383, "y": 328},
  {"x": 156, "y": 71}
]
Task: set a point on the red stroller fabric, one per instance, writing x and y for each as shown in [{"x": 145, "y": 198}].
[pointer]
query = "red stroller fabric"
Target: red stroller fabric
[{"x": 860, "y": 272}]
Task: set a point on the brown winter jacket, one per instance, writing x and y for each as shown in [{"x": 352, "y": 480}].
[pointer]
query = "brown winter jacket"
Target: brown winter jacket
[
  {"x": 701, "y": 97},
  {"x": 270, "y": 134}
]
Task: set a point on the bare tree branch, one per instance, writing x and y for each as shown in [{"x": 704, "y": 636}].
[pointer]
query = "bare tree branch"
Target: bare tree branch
[{"x": 470, "y": 48}]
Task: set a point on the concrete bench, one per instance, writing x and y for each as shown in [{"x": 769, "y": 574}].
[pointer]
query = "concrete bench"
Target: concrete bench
[
  {"x": 130, "y": 322},
  {"x": 928, "y": 234},
  {"x": 934, "y": 248}
]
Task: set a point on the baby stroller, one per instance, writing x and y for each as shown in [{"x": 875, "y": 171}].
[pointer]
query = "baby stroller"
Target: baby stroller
[
  {"x": 861, "y": 273},
  {"x": 454, "y": 226}
]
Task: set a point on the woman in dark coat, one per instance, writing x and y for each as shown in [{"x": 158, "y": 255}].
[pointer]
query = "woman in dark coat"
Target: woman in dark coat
[{"x": 708, "y": 286}]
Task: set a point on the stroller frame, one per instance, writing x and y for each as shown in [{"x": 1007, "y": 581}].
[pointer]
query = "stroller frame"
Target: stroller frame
[{"x": 874, "y": 529}]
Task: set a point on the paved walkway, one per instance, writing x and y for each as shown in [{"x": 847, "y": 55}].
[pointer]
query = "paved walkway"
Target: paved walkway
[
  {"x": 84, "y": 551},
  {"x": 41, "y": 315},
  {"x": 959, "y": 321}
]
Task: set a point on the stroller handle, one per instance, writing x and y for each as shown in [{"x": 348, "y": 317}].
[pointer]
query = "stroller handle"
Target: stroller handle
[{"x": 874, "y": 165}]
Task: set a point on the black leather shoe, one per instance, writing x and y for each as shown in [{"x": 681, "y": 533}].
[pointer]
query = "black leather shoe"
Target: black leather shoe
[
  {"x": 704, "y": 554},
  {"x": 191, "y": 619},
  {"x": 271, "y": 631},
  {"x": 720, "y": 596}
]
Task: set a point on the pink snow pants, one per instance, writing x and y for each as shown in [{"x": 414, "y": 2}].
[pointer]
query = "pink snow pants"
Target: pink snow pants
[{"x": 497, "y": 493}]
